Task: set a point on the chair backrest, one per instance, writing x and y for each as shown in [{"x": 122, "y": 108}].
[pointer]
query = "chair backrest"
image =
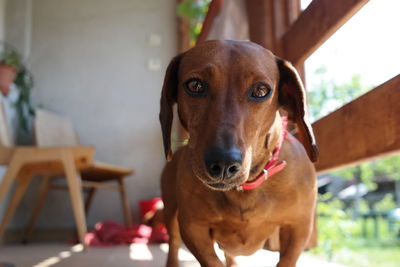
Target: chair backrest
[
  {"x": 6, "y": 139},
  {"x": 54, "y": 130}
]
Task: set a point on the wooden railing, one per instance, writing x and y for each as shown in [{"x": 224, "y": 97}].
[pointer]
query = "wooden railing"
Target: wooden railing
[{"x": 315, "y": 25}]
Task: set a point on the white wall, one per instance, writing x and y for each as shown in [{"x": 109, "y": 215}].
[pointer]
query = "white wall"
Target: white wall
[
  {"x": 89, "y": 59},
  {"x": 17, "y": 25},
  {"x": 2, "y": 18}
]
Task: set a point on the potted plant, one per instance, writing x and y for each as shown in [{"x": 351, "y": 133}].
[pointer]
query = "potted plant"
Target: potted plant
[
  {"x": 12, "y": 70},
  {"x": 9, "y": 65}
]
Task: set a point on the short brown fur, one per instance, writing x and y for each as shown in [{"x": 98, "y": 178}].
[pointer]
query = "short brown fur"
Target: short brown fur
[{"x": 239, "y": 221}]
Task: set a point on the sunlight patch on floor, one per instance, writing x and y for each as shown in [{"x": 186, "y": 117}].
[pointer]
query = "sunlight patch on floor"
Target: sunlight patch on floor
[
  {"x": 183, "y": 254},
  {"x": 259, "y": 259},
  {"x": 140, "y": 252},
  {"x": 62, "y": 255},
  {"x": 48, "y": 262}
]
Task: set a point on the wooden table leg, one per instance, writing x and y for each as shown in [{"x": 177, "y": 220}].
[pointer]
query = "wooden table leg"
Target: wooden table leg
[
  {"x": 43, "y": 190},
  {"x": 22, "y": 184},
  {"x": 125, "y": 202},
  {"x": 89, "y": 199},
  {"x": 10, "y": 175},
  {"x": 75, "y": 190}
]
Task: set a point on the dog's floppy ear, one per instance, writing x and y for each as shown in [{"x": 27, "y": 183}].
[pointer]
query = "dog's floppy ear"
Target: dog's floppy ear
[
  {"x": 292, "y": 97},
  {"x": 169, "y": 95}
]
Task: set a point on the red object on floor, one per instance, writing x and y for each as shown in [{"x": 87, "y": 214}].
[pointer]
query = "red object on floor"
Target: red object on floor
[
  {"x": 149, "y": 207},
  {"x": 111, "y": 233}
]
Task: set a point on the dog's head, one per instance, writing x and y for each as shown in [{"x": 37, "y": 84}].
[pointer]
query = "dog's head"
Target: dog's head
[{"x": 228, "y": 95}]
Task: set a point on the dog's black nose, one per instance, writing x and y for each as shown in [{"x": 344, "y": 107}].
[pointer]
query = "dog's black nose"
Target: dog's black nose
[{"x": 223, "y": 163}]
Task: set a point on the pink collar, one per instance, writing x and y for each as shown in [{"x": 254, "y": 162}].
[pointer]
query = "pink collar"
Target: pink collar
[{"x": 273, "y": 166}]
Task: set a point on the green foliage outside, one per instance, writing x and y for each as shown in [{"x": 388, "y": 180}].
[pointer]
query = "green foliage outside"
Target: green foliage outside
[
  {"x": 326, "y": 96},
  {"x": 341, "y": 237},
  {"x": 194, "y": 11}
]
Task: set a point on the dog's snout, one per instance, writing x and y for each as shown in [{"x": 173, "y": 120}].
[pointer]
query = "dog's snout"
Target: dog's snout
[{"x": 223, "y": 163}]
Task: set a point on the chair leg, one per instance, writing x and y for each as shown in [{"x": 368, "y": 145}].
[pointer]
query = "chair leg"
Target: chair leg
[
  {"x": 89, "y": 199},
  {"x": 125, "y": 203},
  {"x": 22, "y": 184},
  {"x": 9, "y": 176},
  {"x": 75, "y": 190},
  {"x": 43, "y": 190}
]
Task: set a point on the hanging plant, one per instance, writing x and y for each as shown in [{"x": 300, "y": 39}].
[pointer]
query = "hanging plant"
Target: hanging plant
[
  {"x": 12, "y": 70},
  {"x": 9, "y": 64}
]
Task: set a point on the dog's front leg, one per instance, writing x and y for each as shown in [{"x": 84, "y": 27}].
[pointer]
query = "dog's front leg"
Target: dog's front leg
[
  {"x": 292, "y": 239},
  {"x": 198, "y": 240}
]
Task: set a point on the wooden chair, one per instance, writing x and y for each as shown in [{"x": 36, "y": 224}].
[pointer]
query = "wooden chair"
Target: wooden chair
[{"x": 73, "y": 161}]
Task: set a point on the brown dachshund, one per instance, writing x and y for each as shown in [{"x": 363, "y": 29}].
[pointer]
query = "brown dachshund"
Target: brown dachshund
[{"x": 215, "y": 188}]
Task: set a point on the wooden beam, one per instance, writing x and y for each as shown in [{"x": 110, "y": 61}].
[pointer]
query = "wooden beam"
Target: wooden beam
[
  {"x": 213, "y": 11},
  {"x": 364, "y": 129},
  {"x": 315, "y": 25}
]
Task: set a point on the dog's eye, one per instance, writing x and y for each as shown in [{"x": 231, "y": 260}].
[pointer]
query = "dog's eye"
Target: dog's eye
[
  {"x": 259, "y": 91},
  {"x": 195, "y": 87}
]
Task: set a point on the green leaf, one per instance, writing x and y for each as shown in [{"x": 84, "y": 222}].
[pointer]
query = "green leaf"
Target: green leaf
[
  {"x": 24, "y": 83},
  {"x": 194, "y": 11}
]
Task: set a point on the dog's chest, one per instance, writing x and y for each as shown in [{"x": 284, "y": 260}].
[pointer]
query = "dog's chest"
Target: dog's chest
[
  {"x": 242, "y": 235},
  {"x": 239, "y": 214},
  {"x": 241, "y": 207},
  {"x": 242, "y": 228}
]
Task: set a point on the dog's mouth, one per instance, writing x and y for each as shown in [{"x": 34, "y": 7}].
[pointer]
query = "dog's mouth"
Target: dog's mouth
[
  {"x": 218, "y": 186},
  {"x": 237, "y": 184},
  {"x": 221, "y": 186}
]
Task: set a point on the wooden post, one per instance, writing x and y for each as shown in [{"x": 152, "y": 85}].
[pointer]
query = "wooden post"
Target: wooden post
[
  {"x": 183, "y": 45},
  {"x": 269, "y": 20},
  {"x": 183, "y": 33},
  {"x": 261, "y": 18}
]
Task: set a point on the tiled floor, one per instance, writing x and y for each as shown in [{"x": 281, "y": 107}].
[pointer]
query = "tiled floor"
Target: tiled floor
[{"x": 43, "y": 255}]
